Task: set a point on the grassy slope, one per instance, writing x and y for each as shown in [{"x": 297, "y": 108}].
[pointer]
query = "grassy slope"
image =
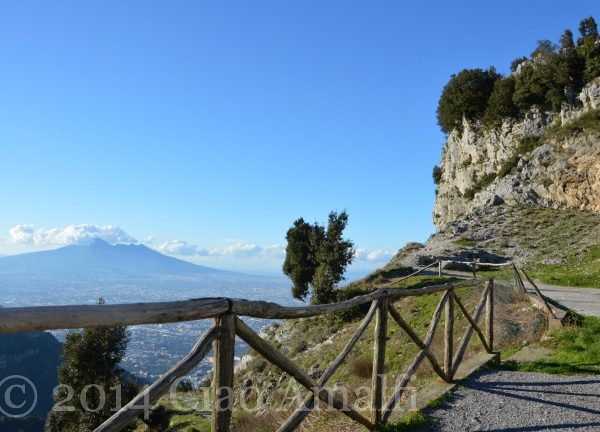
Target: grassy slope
[
  {"x": 561, "y": 246},
  {"x": 314, "y": 342},
  {"x": 329, "y": 336},
  {"x": 576, "y": 350}
]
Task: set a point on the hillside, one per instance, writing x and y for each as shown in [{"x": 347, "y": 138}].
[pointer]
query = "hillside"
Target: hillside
[
  {"x": 520, "y": 169},
  {"x": 35, "y": 356}
]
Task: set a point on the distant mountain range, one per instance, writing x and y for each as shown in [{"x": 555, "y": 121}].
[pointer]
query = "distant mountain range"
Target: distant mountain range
[{"x": 100, "y": 258}]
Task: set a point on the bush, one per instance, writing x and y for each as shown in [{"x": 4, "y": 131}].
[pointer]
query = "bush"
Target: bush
[
  {"x": 158, "y": 418},
  {"x": 185, "y": 385},
  {"x": 465, "y": 95},
  {"x": 500, "y": 103},
  {"x": 361, "y": 367},
  {"x": 549, "y": 77},
  {"x": 437, "y": 174}
]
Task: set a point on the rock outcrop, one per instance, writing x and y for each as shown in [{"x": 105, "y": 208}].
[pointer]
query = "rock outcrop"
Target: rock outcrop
[{"x": 486, "y": 168}]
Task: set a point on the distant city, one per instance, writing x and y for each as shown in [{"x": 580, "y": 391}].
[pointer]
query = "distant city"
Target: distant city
[{"x": 48, "y": 280}]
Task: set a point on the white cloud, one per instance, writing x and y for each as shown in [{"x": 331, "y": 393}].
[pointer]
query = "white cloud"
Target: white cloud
[
  {"x": 177, "y": 247},
  {"x": 246, "y": 250},
  {"x": 373, "y": 256},
  {"x": 255, "y": 251},
  {"x": 234, "y": 250},
  {"x": 71, "y": 234}
]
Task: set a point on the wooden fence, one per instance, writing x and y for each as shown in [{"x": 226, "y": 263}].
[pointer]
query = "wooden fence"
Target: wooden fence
[{"x": 227, "y": 315}]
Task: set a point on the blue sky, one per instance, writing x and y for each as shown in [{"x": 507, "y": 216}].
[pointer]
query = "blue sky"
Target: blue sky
[{"x": 218, "y": 123}]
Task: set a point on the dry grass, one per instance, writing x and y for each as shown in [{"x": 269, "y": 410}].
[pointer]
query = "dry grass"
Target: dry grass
[{"x": 361, "y": 367}]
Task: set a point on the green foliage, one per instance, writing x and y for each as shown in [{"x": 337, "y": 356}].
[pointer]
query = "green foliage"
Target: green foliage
[
  {"x": 437, "y": 402},
  {"x": 549, "y": 77},
  {"x": 409, "y": 423},
  {"x": 588, "y": 27},
  {"x": 300, "y": 259},
  {"x": 543, "y": 81},
  {"x": 437, "y": 174},
  {"x": 317, "y": 257},
  {"x": 516, "y": 62},
  {"x": 592, "y": 67},
  {"x": 465, "y": 95},
  {"x": 566, "y": 40},
  {"x": 500, "y": 104},
  {"x": 158, "y": 418},
  {"x": 90, "y": 359}
]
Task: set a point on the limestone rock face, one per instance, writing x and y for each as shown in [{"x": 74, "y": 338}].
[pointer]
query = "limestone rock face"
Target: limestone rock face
[{"x": 562, "y": 172}]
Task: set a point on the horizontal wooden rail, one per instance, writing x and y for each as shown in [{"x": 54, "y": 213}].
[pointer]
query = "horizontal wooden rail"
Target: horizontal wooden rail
[
  {"x": 483, "y": 264},
  {"x": 420, "y": 270},
  {"x": 36, "y": 318}
]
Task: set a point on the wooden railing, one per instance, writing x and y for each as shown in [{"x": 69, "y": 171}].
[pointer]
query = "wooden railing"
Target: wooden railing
[
  {"x": 228, "y": 324},
  {"x": 518, "y": 280}
]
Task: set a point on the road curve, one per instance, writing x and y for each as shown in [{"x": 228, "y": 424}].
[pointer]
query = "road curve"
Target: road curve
[{"x": 585, "y": 301}]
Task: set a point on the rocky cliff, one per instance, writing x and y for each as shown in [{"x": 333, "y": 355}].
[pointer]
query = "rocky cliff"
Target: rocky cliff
[{"x": 545, "y": 159}]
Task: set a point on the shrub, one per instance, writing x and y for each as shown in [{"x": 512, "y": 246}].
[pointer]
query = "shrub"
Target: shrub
[
  {"x": 467, "y": 162},
  {"x": 185, "y": 385},
  {"x": 516, "y": 62},
  {"x": 500, "y": 103},
  {"x": 465, "y": 95},
  {"x": 437, "y": 174},
  {"x": 361, "y": 367},
  {"x": 158, "y": 418}
]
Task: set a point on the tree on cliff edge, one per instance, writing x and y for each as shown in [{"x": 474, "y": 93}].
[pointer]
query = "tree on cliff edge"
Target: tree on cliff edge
[
  {"x": 89, "y": 379},
  {"x": 316, "y": 257},
  {"x": 465, "y": 95}
]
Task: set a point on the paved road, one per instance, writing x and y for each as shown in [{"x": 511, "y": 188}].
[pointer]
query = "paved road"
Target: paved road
[
  {"x": 583, "y": 300},
  {"x": 586, "y": 301},
  {"x": 518, "y": 401}
]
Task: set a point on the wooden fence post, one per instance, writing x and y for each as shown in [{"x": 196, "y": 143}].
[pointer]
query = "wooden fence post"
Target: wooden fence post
[
  {"x": 449, "y": 335},
  {"x": 378, "y": 379},
  {"x": 222, "y": 386},
  {"x": 489, "y": 312}
]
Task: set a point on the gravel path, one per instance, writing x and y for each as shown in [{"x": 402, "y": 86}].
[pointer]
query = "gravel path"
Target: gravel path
[{"x": 518, "y": 401}]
